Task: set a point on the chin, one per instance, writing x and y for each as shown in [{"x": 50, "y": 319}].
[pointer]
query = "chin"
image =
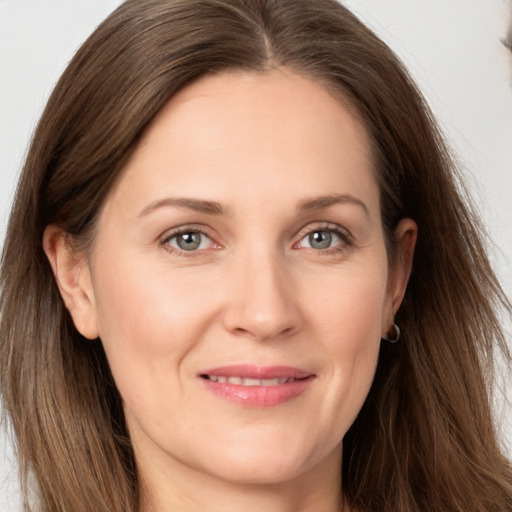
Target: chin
[
  {"x": 270, "y": 472},
  {"x": 269, "y": 464}
]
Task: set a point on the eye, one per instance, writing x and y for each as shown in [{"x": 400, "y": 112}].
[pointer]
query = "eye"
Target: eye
[
  {"x": 322, "y": 239},
  {"x": 189, "y": 241}
]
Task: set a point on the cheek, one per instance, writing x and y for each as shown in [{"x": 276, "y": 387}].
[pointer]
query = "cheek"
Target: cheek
[
  {"x": 148, "y": 323},
  {"x": 350, "y": 312},
  {"x": 136, "y": 302},
  {"x": 349, "y": 325}
]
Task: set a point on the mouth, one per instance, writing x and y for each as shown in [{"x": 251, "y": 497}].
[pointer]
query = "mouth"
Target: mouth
[
  {"x": 246, "y": 381},
  {"x": 255, "y": 386}
]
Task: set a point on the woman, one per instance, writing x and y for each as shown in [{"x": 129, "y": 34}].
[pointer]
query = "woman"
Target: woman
[{"x": 248, "y": 278}]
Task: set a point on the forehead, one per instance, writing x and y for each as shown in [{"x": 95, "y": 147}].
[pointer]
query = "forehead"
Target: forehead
[
  {"x": 249, "y": 101},
  {"x": 237, "y": 134}
]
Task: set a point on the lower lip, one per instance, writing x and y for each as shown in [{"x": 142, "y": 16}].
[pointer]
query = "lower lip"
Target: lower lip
[{"x": 259, "y": 396}]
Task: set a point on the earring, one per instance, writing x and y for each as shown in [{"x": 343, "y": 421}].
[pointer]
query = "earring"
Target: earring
[{"x": 396, "y": 337}]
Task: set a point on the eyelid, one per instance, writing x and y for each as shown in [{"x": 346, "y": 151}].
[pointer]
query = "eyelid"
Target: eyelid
[
  {"x": 184, "y": 228},
  {"x": 343, "y": 233},
  {"x": 328, "y": 226},
  {"x": 164, "y": 239}
]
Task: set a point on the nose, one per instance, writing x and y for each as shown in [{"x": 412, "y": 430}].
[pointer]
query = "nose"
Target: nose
[{"x": 263, "y": 304}]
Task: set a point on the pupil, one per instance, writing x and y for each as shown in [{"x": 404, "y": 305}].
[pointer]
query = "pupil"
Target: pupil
[
  {"x": 189, "y": 241},
  {"x": 320, "y": 239}
]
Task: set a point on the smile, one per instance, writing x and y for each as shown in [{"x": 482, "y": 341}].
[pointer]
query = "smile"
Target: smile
[
  {"x": 245, "y": 381},
  {"x": 254, "y": 386}
]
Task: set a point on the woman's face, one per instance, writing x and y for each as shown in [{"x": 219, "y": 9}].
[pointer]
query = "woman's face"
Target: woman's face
[{"x": 239, "y": 280}]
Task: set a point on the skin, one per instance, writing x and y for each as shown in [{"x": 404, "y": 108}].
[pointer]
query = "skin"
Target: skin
[{"x": 255, "y": 291}]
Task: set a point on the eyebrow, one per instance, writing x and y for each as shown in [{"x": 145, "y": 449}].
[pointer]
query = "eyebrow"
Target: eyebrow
[
  {"x": 198, "y": 205},
  {"x": 322, "y": 202},
  {"x": 215, "y": 208}
]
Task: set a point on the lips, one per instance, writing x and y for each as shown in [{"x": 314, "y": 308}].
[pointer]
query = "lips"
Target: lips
[
  {"x": 245, "y": 381},
  {"x": 257, "y": 386}
]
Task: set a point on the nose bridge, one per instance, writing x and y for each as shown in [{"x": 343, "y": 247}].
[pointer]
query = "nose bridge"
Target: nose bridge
[{"x": 262, "y": 305}]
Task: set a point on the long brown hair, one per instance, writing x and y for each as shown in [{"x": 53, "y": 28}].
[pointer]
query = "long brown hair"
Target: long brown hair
[{"x": 424, "y": 439}]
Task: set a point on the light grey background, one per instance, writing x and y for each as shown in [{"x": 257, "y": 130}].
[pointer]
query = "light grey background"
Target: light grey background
[{"x": 452, "y": 48}]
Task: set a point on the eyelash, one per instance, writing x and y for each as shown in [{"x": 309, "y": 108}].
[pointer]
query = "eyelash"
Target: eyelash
[
  {"x": 346, "y": 240},
  {"x": 183, "y": 230}
]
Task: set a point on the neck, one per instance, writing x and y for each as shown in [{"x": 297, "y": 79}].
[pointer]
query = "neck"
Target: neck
[{"x": 179, "y": 488}]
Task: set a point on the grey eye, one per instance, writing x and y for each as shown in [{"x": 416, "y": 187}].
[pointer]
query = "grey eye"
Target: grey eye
[
  {"x": 189, "y": 241},
  {"x": 320, "y": 239}
]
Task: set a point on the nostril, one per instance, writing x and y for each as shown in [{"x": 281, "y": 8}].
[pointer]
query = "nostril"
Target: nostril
[{"x": 264, "y": 333}]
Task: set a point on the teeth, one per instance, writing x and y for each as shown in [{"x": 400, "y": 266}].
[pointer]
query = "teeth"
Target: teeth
[
  {"x": 251, "y": 382},
  {"x": 243, "y": 381}
]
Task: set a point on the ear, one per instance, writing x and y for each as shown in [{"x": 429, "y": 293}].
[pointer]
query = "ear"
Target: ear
[
  {"x": 73, "y": 278},
  {"x": 405, "y": 240}
]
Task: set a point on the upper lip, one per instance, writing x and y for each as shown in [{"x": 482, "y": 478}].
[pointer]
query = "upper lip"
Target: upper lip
[{"x": 257, "y": 372}]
